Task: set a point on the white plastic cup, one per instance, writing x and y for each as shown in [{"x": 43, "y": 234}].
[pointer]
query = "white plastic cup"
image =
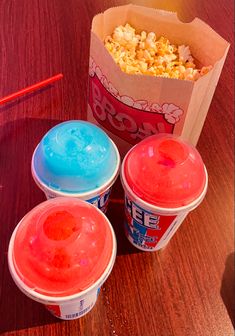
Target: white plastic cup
[
  {"x": 142, "y": 218},
  {"x": 152, "y": 215},
  {"x": 68, "y": 307},
  {"x": 99, "y": 197}
]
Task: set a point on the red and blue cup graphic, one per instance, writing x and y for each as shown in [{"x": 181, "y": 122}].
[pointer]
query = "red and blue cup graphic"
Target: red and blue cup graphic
[{"x": 164, "y": 179}]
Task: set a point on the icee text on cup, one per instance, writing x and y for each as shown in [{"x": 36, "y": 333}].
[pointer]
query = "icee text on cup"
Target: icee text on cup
[{"x": 141, "y": 216}]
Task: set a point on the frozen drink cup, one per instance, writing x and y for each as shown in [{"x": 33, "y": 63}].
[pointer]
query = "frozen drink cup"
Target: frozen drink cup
[
  {"x": 163, "y": 178},
  {"x": 61, "y": 253},
  {"x": 76, "y": 159}
]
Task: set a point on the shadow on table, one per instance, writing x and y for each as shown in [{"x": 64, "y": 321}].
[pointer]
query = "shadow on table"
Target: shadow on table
[
  {"x": 227, "y": 289},
  {"x": 18, "y": 194},
  {"x": 115, "y": 214}
]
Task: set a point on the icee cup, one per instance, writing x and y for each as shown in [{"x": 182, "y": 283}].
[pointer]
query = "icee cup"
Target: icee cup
[
  {"x": 61, "y": 253},
  {"x": 76, "y": 159},
  {"x": 164, "y": 178}
]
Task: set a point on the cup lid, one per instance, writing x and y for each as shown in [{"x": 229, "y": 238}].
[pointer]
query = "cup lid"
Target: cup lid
[
  {"x": 75, "y": 157},
  {"x": 165, "y": 171},
  {"x": 62, "y": 247}
]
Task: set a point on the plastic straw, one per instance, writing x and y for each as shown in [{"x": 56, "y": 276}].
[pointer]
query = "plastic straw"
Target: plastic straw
[{"x": 30, "y": 88}]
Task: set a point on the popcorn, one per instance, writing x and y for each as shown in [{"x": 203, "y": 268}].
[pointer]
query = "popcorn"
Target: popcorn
[
  {"x": 171, "y": 112},
  {"x": 145, "y": 54},
  {"x": 185, "y": 54}
]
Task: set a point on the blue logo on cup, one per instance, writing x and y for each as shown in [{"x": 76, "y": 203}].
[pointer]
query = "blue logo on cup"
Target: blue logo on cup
[
  {"x": 144, "y": 228},
  {"x": 101, "y": 201},
  {"x": 141, "y": 216},
  {"x": 141, "y": 226}
]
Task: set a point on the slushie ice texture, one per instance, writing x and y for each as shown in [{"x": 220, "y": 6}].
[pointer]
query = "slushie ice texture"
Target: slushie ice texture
[
  {"x": 164, "y": 178},
  {"x": 61, "y": 253},
  {"x": 76, "y": 159}
]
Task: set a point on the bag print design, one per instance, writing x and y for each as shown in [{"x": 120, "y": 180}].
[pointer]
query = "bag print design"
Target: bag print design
[{"x": 132, "y": 120}]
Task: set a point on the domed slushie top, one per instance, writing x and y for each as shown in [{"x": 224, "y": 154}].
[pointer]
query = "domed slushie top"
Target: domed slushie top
[
  {"x": 75, "y": 157},
  {"x": 62, "y": 247},
  {"x": 165, "y": 171}
]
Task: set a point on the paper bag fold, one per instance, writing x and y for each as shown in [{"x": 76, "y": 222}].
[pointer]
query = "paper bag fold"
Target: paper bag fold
[{"x": 131, "y": 107}]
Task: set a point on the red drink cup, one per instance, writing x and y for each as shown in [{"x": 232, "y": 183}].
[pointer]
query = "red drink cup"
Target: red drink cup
[
  {"x": 61, "y": 253},
  {"x": 164, "y": 178}
]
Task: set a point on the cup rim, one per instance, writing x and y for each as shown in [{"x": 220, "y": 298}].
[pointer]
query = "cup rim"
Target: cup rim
[
  {"x": 85, "y": 195},
  {"x": 47, "y": 299},
  {"x": 153, "y": 208}
]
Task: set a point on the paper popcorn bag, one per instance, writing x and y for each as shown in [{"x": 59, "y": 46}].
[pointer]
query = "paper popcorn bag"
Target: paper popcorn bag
[{"x": 131, "y": 107}]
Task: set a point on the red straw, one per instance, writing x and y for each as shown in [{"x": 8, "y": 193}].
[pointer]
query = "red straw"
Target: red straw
[{"x": 30, "y": 89}]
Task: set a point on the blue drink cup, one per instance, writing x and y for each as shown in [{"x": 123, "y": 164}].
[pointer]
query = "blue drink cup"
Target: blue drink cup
[{"x": 76, "y": 159}]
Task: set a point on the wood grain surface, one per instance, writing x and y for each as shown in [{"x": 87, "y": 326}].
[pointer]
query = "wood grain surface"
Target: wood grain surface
[{"x": 185, "y": 290}]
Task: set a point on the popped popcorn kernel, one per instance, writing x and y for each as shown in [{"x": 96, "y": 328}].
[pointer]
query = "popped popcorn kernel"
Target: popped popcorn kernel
[
  {"x": 205, "y": 70},
  {"x": 185, "y": 54},
  {"x": 146, "y": 54}
]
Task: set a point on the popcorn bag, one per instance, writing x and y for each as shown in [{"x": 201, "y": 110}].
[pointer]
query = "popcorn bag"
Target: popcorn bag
[{"x": 130, "y": 99}]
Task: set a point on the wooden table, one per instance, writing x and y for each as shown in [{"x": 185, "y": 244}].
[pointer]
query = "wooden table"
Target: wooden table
[{"x": 186, "y": 290}]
